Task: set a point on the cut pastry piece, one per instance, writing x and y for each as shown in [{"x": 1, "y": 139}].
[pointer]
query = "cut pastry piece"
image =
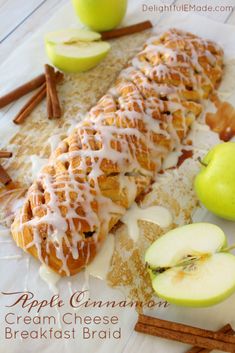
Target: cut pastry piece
[{"x": 116, "y": 151}]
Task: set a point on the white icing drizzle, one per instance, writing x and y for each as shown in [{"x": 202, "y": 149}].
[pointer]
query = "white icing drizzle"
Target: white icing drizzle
[
  {"x": 17, "y": 204},
  {"x": 70, "y": 287},
  {"x": 4, "y": 232},
  {"x": 50, "y": 277},
  {"x": 37, "y": 164},
  {"x": 116, "y": 151},
  {"x": 11, "y": 257},
  {"x": 99, "y": 267},
  {"x": 171, "y": 160},
  {"x": 155, "y": 214},
  {"x": 86, "y": 285},
  {"x": 54, "y": 141}
]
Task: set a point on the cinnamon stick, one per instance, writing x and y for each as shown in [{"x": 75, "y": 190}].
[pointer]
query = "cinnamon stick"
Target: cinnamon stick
[
  {"x": 22, "y": 90},
  {"x": 5, "y": 154},
  {"x": 59, "y": 76},
  {"x": 51, "y": 84},
  {"x": 30, "y": 105},
  {"x": 120, "y": 32},
  {"x": 4, "y": 177},
  {"x": 188, "y": 338},
  {"x": 225, "y": 329},
  {"x": 175, "y": 326},
  {"x": 186, "y": 334},
  {"x": 27, "y": 109},
  {"x": 49, "y": 104}
]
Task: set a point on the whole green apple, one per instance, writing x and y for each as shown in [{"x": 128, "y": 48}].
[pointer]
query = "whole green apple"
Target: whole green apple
[
  {"x": 100, "y": 15},
  {"x": 215, "y": 183}
]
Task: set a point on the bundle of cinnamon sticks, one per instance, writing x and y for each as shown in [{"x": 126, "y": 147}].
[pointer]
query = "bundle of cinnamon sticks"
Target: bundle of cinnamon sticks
[
  {"x": 204, "y": 341},
  {"x": 46, "y": 85}
]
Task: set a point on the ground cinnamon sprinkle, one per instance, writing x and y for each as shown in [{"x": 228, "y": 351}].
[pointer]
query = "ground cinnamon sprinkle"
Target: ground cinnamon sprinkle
[
  {"x": 223, "y": 120},
  {"x": 185, "y": 155},
  {"x": 4, "y": 177}
]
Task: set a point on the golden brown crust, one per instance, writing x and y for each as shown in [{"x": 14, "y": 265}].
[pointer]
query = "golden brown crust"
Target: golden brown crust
[{"x": 113, "y": 154}]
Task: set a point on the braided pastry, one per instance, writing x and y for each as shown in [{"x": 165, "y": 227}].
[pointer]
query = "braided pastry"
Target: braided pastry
[{"x": 114, "y": 153}]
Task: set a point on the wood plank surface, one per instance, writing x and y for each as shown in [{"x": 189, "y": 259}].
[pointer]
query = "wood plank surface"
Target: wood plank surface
[{"x": 17, "y": 25}]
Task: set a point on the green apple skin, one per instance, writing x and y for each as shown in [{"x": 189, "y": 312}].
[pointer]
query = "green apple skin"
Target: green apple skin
[
  {"x": 215, "y": 183},
  {"x": 72, "y": 64},
  {"x": 100, "y": 15}
]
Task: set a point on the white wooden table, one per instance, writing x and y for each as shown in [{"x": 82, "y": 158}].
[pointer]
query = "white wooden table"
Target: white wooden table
[{"x": 20, "y": 18}]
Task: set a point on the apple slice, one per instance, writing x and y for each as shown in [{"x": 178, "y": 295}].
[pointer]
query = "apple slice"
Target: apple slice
[
  {"x": 188, "y": 266},
  {"x": 77, "y": 57},
  {"x": 72, "y": 35}
]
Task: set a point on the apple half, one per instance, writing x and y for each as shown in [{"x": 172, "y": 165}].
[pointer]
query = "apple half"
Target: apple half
[
  {"x": 72, "y": 35},
  {"x": 188, "y": 267},
  {"x": 74, "y": 50}
]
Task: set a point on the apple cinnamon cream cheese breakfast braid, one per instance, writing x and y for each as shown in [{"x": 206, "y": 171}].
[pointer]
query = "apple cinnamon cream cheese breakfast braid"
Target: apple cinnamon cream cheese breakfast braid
[{"x": 115, "y": 152}]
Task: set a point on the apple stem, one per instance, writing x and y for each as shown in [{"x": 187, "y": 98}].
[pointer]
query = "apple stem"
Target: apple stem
[
  {"x": 201, "y": 162},
  {"x": 229, "y": 248}
]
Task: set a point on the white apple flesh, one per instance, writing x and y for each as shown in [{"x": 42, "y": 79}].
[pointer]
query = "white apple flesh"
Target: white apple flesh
[
  {"x": 75, "y": 50},
  {"x": 72, "y": 35},
  {"x": 188, "y": 266}
]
